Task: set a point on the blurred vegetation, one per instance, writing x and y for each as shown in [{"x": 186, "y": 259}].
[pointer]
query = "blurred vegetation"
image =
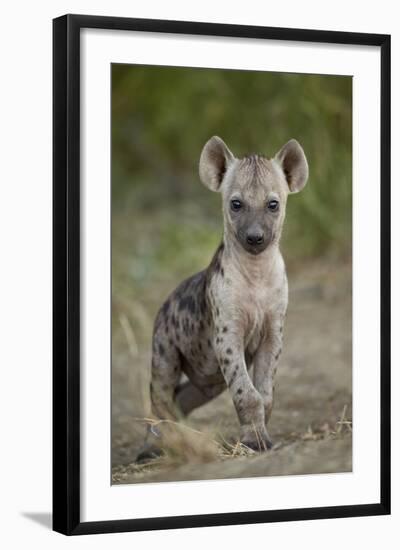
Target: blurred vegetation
[{"x": 166, "y": 225}]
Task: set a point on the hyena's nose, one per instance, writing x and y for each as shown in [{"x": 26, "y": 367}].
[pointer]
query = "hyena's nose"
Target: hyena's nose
[{"x": 255, "y": 238}]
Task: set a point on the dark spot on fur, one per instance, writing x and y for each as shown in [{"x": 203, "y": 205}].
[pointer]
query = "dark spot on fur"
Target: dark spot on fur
[
  {"x": 240, "y": 391},
  {"x": 171, "y": 343},
  {"x": 217, "y": 312},
  {"x": 225, "y": 329},
  {"x": 187, "y": 302},
  {"x": 161, "y": 349},
  {"x": 208, "y": 342},
  {"x": 222, "y": 272},
  {"x": 233, "y": 375},
  {"x": 226, "y": 361},
  {"x": 229, "y": 351},
  {"x": 201, "y": 325}
]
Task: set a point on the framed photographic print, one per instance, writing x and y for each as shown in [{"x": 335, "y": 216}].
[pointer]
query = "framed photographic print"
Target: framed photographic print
[{"x": 221, "y": 274}]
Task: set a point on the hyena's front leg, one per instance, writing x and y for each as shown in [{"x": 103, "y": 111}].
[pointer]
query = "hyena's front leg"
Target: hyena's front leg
[
  {"x": 248, "y": 402},
  {"x": 266, "y": 362}
]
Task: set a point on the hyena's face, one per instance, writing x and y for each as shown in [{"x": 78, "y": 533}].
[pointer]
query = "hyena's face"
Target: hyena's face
[
  {"x": 254, "y": 190},
  {"x": 254, "y": 202}
]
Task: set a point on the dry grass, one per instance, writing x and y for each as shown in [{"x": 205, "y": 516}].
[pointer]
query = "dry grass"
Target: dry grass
[{"x": 182, "y": 444}]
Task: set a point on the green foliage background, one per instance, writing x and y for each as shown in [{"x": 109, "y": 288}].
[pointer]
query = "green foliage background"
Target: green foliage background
[{"x": 165, "y": 223}]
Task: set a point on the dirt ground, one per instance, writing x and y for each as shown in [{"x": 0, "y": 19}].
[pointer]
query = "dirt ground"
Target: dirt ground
[{"x": 311, "y": 420}]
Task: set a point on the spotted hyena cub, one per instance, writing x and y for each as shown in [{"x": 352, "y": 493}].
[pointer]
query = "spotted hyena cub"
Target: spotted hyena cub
[{"x": 223, "y": 327}]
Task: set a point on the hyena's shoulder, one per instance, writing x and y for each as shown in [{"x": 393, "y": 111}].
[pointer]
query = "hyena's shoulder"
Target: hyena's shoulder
[{"x": 189, "y": 297}]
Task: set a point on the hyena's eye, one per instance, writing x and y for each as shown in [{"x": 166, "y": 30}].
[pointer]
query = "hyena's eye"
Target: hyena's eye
[
  {"x": 236, "y": 205},
  {"x": 273, "y": 205}
]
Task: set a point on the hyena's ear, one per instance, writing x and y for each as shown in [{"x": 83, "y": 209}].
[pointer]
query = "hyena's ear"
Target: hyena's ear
[
  {"x": 294, "y": 165},
  {"x": 214, "y": 161}
]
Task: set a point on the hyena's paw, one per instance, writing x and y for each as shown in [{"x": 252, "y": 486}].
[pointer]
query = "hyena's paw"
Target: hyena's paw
[
  {"x": 148, "y": 453},
  {"x": 257, "y": 441}
]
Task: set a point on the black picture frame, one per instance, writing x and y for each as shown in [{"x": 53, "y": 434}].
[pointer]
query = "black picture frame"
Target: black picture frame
[{"x": 66, "y": 273}]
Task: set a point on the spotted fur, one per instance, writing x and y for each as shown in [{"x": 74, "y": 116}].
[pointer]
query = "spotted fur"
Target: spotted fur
[{"x": 223, "y": 327}]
